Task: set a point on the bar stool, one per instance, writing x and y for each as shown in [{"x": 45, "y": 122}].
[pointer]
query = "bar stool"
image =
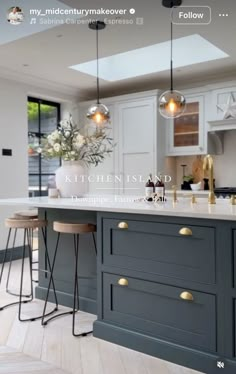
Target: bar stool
[
  {"x": 27, "y": 225},
  {"x": 76, "y": 229},
  {"x": 25, "y": 214}
]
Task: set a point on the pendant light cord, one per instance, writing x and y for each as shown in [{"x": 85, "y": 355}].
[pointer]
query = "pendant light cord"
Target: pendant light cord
[
  {"x": 98, "y": 90},
  {"x": 171, "y": 56}
]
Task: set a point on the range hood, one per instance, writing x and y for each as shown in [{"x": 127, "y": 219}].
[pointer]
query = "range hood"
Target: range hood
[
  {"x": 216, "y": 131},
  {"x": 222, "y": 125}
]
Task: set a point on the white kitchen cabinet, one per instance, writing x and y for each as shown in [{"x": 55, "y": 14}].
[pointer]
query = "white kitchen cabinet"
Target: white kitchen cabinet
[
  {"x": 137, "y": 129},
  {"x": 139, "y": 134},
  {"x": 187, "y": 134}
]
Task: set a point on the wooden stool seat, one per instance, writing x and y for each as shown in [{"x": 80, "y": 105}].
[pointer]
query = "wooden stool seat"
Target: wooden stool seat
[
  {"x": 73, "y": 227},
  {"x": 16, "y": 223},
  {"x": 27, "y": 214}
]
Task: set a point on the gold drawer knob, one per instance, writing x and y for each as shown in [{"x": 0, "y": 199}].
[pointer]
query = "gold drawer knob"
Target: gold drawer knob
[
  {"x": 186, "y": 296},
  {"x": 185, "y": 231},
  {"x": 123, "y": 282},
  {"x": 123, "y": 225}
]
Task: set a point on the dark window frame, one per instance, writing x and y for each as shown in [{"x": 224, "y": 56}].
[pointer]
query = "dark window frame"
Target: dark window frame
[{"x": 39, "y": 134}]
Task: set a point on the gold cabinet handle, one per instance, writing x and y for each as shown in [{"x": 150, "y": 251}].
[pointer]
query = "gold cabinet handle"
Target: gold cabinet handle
[
  {"x": 186, "y": 296},
  {"x": 123, "y": 225},
  {"x": 185, "y": 231},
  {"x": 123, "y": 282}
]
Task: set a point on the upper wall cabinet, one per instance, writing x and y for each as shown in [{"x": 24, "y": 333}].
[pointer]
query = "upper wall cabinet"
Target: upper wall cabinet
[
  {"x": 139, "y": 135},
  {"x": 186, "y": 135}
]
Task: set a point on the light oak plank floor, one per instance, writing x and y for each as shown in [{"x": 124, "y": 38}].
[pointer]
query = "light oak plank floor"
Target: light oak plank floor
[{"x": 29, "y": 348}]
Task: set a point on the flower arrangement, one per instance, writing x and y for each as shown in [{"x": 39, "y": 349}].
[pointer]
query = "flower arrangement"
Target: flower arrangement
[{"x": 68, "y": 143}]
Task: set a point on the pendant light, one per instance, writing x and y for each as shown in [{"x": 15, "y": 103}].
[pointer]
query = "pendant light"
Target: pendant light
[
  {"x": 98, "y": 113},
  {"x": 171, "y": 103}
]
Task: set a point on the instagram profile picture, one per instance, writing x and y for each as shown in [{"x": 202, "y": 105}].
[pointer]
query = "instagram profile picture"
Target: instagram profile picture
[{"x": 15, "y": 15}]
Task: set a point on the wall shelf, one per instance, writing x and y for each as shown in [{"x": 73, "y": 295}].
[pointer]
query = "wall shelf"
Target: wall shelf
[{"x": 186, "y": 133}]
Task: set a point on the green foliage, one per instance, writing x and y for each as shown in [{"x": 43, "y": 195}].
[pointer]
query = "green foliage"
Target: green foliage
[{"x": 33, "y": 110}]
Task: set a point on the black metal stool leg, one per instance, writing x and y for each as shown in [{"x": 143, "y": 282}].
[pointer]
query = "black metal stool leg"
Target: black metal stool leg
[
  {"x": 30, "y": 260},
  {"x": 32, "y": 245},
  {"x": 77, "y": 285},
  {"x": 31, "y": 278},
  {"x": 43, "y": 322},
  {"x": 22, "y": 273},
  {"x": 9, "y": 270},
  {"x": 10, "y": 262},
  {"x": 76, "y": 289},
  {"x": 20, "y": 295},
  {"x": 5, "y": 254},
  {"x": 44, "y": 233},
  {"x": 95, "y": 244}
]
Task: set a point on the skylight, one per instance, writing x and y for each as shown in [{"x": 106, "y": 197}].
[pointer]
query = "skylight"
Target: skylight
[{"x": 189, "y": 50}]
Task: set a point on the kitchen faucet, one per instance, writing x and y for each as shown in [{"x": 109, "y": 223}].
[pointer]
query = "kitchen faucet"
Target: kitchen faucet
[{"x": 208, "y": 166}]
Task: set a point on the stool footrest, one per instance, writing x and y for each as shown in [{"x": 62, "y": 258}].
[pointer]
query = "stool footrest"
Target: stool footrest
[
  {"x": 15, "y": 303},
  {"x": 38, "y": 317}
]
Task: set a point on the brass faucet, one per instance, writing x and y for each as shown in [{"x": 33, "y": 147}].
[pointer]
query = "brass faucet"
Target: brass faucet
[
  {"x": 233, "y": 200},
  {"x": 208, "y": 166},
  {"x": 174, "y": 194}
]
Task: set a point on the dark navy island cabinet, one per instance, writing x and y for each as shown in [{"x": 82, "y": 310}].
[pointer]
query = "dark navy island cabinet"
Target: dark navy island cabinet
[{"x": 167, "y": 287}]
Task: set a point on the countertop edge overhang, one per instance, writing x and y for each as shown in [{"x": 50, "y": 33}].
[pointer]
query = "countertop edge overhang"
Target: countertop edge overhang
[{"x": 222, "y": 210}]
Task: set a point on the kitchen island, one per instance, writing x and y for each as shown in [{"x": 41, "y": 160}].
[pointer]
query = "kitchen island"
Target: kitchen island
[{"x": 163, "y": 282}]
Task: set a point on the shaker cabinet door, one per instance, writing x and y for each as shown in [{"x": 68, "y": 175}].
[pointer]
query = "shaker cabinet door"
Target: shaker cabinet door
[
  {"x": 186, "y": 134},
  {"x": 137, "y": 121}
]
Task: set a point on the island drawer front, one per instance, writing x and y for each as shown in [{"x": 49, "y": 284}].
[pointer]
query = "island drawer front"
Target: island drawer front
[
  {"x": 160, "y": 249},
  {"x": 158, "y": 310}
]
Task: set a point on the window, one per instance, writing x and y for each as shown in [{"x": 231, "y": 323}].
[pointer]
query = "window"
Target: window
[{"x": 43, "y": 118}]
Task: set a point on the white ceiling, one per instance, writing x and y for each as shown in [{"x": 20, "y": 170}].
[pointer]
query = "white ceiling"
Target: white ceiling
[{"x": 49, "y": 52}]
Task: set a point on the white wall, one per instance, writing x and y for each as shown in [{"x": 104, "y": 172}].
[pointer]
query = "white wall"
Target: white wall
[
  {"x": 225, "y": 167},
  {"x": 14, "y": 135}
]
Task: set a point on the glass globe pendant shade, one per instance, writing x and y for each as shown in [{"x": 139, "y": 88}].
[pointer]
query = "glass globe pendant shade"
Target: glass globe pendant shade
[
  {"x": 98, "y": 114},
  {"x": 172, "y": 104}
]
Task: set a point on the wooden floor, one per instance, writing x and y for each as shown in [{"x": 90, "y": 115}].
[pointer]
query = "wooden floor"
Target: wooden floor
[{"x": 29, "y": 348}]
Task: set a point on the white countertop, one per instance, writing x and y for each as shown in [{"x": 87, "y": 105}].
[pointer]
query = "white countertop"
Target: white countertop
[{"x": 126, "y": 204}]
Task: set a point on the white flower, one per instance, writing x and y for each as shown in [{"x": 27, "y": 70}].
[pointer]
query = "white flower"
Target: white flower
[
  {"x": 50, "y": 139},
  {"x": 65, "y": 123},
  {"x": 57, "y": 147},
  {"x": 67, "y": 134},
  {"x": 80, "y": 140},
  {"x": 55, "y": 135}
]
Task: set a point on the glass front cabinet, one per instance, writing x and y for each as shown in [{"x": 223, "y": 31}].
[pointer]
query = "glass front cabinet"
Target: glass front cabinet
[{"x": 186, "y": 134}]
